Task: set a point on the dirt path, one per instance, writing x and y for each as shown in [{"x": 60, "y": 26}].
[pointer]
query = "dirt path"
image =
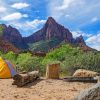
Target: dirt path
[{"x": 41, "y": 90}]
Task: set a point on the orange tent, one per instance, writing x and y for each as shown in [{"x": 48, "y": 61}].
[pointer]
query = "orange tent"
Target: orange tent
[{"x": 7, "y": 70}]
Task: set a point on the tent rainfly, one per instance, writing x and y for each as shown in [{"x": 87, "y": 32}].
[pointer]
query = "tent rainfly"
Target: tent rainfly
[{"x": 7, "y": 70}]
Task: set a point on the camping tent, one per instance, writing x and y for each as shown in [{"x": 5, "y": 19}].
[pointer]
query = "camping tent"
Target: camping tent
[{"x": 7, "y": 70}]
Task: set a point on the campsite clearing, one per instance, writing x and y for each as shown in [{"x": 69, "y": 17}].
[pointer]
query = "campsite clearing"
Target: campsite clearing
[{"x": 41, "y": 90}]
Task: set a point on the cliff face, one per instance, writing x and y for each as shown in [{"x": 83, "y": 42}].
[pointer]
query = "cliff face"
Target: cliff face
[
  {"x": 50, "y": 30},
  {"x": 80, "y": 40},
  {"x": 13, "y": 36},
  {"x": 5, "y": 46},
  {"x": 50, "y": 36}
]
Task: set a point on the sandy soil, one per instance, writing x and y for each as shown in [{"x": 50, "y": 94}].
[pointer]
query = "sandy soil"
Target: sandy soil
[{"x": 41, "y": 90}]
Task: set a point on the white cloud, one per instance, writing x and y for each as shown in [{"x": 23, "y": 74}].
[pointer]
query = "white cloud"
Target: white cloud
[
  {"x": 96, "y": 46},
  {"x": 94, "y": 19},
  {"x": 81, "y": 12},
  {"x": 65, "y": 4},
  {"x": 28, "y": 26},
  {"x": 14, "y": 16},
  {"x": 2, "y": 9},
  {"x": 94, "y": 41},
  {"x": 67, "y": 15},
  {"x": 20, "y": 5},
  {"x": 35, "y": 23},
  {"x": 78, "y": 33}
]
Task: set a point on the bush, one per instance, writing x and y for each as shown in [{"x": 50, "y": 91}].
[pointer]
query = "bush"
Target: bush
[
  {"x": 72, "y": 59},
  {"x": 69, "y": 58},
  {"x": 11, "y": 57},
  {"x": 27, "y": 62}
]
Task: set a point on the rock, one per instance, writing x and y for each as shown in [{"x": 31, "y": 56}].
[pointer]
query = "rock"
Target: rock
[
  {"x": 53, "y": 30},
  {"x": 6, "y": 46},
  {"x": 50, "y": 30},
  {"x": 86, "y": 48},
  {"x": 52, "y": 34},
  {"x": 13, "y": 36},
  {"x": 92, "y": 93},
  {"x": 80, "y": 40},
  {"x": 84, "y": 73}
]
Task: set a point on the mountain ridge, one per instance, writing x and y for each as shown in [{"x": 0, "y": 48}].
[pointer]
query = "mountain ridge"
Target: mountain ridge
[
  {"x": 13, "y": 36},
  {"x": 5, "y": 46},
  {"x": 51, "y": 30}
]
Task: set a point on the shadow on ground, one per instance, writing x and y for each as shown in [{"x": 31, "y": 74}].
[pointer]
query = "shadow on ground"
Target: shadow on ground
[{"x": 28, "y": 85}]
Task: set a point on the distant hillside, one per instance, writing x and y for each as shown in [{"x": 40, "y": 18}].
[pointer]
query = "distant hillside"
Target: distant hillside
[
  {"x": 44, "y": 45},
  {"x": 13, "y": 36},
  {"x": 5, "y": 46}
]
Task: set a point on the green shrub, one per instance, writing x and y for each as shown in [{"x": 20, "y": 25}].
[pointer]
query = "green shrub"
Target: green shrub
[
  {"x": 12, "y": 57},
  {"x": 70, "y": 59},
  {"x": 73, "y": 58},
  {"x": 26, "y": 62}
]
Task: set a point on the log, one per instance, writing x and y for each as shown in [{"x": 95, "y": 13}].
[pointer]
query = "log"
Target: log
[
  {"x": 33, "y": 75},
  {"x": 80, "y": 79},
  {"x": 22, "y": 79}
]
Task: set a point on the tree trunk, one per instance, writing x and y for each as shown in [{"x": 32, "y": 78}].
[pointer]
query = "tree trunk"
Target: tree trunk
[
  {"x": 22, "y": 79},
  {"x": 52, "y": 71}
]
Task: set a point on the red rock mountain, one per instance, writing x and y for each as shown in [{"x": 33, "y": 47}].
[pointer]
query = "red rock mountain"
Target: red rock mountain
[
  {"x": 5, "y": 46},
  {"x": 51, "y": 35},
  {"x": 13, "y": 36},
  {"x": 51, "y": 29}
]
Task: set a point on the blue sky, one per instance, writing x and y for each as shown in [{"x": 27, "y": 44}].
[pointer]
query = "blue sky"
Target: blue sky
[{"x": 79, "y": 16}]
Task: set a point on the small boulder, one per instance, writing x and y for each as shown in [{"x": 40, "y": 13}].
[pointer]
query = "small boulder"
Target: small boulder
[
  {"x": 84, "y": 73},
  {"x": 92, "y": 93}
]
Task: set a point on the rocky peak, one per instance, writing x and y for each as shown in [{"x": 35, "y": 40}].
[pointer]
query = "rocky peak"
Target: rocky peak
[
  {"x": 13, "y": 36},
  {"x": 80, "y": 40},
  {"x": 9, "y": 30},
  {"x": 50, "y": 21},
  {"x": 50, "y": 30},
  {"x": 53, "y": 29}
]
